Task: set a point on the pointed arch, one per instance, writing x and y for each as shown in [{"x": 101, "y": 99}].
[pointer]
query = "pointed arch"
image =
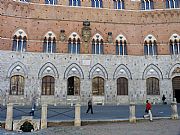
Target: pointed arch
[
  {"x": 48, "y": 69},
  {"x": 175, "y": 69},
  {"x": 97, "y": 36},
  {"x": 122, "y": 71},
  {"x": 152, "y": 71},
  {"x": 73, "y": 70},
  {"x": 98, "y": 70},
  {"x": 17, "y": 68}
]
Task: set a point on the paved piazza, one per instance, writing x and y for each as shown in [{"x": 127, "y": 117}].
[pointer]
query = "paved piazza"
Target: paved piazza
[{"x": 157, "y": 127}]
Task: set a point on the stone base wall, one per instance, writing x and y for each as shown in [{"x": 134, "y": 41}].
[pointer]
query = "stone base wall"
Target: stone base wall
[{"x": 135, "y": 68}]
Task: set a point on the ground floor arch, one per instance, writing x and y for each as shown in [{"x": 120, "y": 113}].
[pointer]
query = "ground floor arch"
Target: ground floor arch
[
  {"x": 73, "y": 86},
  {"x": 176, "y": 88}
]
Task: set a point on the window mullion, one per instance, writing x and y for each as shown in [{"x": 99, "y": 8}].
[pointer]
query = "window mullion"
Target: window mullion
[
  {"x": 169, "y": 1},
  {"x": 52, "y": 46},
  {"x": 145, "y": 4},
  {"x": 95, "y": 47},
  {"x": 153, "y": 49},
  {"x": 173, "y": 48},
  {"x": 148, "y": 48},
  {"x": 120, "y": 4},
  {"x": 99, "y": 47},
  {"x": 71, "y": 47},
  {"x": 174, "y": 3},
  {"x": 17, "y": 44},
  {"x": 76, "y": 46},
  {"x": 178, "y": 47}
]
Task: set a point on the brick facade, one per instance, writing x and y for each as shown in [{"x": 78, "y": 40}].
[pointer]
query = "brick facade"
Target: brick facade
[{"x": 36, "y": 19}]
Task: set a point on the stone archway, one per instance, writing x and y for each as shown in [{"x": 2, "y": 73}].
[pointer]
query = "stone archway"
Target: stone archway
[
  {"x": 176, "y": 88},
  {"x": 27, "y": 123}
]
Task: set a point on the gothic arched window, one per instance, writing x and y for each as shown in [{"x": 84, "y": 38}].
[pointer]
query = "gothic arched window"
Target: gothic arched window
[
  {"x": 48, "y": 85},
  {"x": 121, "y": 47},
  {"x": 147, "y": 4},
  {"x": 97, "y": 45},
  {"x": 122, "y": 86},
  {"x": 51, "y": 2},
  {"x": 96, "y": 3},
  {"x": 172, "y": 3},
  {"x": 152, "y": 86},
  {"x": 19, "y": 41},
  {"x": 49, "y": 45},
  {"x": 174, "y": 44},
  {"x": 118, "y": 4},
  {"x": 74, "y": 3},
  {"x": 17, "y": 85},
  {"x": 150, "y": 45},
  {"x": 98, "y": 86},
  {"x": 74, "y": 43}
]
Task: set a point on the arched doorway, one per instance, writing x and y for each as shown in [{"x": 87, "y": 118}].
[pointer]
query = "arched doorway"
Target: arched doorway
[
  {"x": 73, "y": 86},
  {"x": 176, "y": 88}
]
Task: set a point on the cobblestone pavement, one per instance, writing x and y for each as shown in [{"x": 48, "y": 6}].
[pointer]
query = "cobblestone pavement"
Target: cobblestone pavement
[{"x": 157, "y": 127}]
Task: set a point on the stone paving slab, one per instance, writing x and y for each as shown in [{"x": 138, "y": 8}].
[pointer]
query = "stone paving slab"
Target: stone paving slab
[{"x": 157, "y": 127}]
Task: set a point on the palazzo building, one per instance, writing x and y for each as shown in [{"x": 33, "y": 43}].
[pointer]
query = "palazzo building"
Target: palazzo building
[{"x": 68, "y": 51}]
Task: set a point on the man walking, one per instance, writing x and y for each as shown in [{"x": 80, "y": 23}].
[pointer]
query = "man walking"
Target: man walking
[
  {"x": 148, "y": 110},
  {"x": 90, "y": 106}
]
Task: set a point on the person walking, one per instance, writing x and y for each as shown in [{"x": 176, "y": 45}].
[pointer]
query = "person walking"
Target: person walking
[
  {"x": 163, "y": 99},
  {"x": 90, "y": 106},
  {"x": 148, "y": 110},
  {"x": 33, "y": 107}
]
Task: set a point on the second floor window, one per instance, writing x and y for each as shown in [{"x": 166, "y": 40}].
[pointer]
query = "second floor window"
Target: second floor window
[
  {"x": 172, "y": 3},
  {"x": 118, "y": 4},
  {"x": 49, "y": 45},
  {"x": 97, "y": 45},
  {"x": 74, "y": 46},
  {"x": 96, "y": 3},
  {"x": 19, "y": 43},
  {"x": 74, "y": 3},
  {"x": 147, "y": 4},
  {"x": 150, "y": 48},
  {"x": 121, "y": 47},
  {"x": 52, "y": 2},
  {"x": 174, "y": 47}
]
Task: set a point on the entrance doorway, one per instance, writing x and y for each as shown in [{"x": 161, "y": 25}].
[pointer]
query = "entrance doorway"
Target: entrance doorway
[
  {"x": 73, "y": 86},
  {"x": 176, "y": 88}
]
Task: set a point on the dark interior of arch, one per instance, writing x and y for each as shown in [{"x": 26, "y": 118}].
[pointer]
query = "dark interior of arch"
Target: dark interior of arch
[{"x": 27, "y": 127}]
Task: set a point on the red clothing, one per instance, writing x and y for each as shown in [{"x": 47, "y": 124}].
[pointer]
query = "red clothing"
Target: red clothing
[{"x": 148, "y": 106}]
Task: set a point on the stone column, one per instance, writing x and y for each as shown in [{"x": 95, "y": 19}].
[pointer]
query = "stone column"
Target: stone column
[
  {"x": 77, "y": 120},
  {"x": 9, "y": 117},
  {"x": 44, "y": 116},
  {"x": 132, "y": 117},
  {"x": 174, "y": 114}
]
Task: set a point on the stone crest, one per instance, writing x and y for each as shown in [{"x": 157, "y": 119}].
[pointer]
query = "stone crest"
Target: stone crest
[
  {"x": 109, "y": 39},
  {"x": 62, "y": 35},
  {"x": 86, "y": 31}
]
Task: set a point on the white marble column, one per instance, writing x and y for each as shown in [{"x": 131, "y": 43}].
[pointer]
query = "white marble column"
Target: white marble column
[
  {"x": 9, "y": 117},
  {"x": 77, "y": 120},
  {"x": 44, "y": 116},
  {"x": 174, "y": 114},
  {"x": 132, "y": 116}
]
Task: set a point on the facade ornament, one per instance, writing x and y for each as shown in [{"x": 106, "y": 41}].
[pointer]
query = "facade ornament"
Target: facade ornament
[
  {"x": 86, "y": 31},
  {"x": 62, "y": 35},
  {"x": 109, "y": 37},
  {"x": 177, "y": 70}
]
